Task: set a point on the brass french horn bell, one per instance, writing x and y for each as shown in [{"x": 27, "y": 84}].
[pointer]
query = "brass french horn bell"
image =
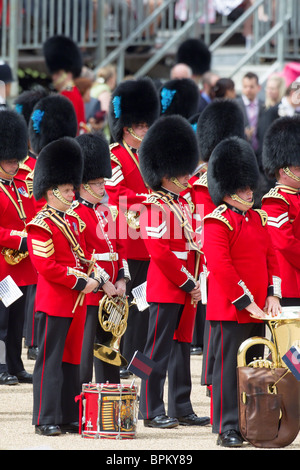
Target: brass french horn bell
[{"x": 112, "y": 315}]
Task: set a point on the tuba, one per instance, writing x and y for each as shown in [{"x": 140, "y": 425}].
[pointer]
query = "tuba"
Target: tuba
[
  {"x": 268, "y": 393},
  {"x": 112, "y": 315}
]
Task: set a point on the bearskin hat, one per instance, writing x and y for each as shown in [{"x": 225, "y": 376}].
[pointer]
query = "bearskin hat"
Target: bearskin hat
[
  {"x": 14, "y": 136},
  {"x": 61, "y": 53},
  {"x": 232, "y": 166},
  {"x": 52, "y": 117},
  {"x": 179, "y": 96},
  {"x": 133, "y": 102},
  {"x": 220, "y": 119},
  {"x": 26, "y": 101},
  {"x": 60, "y": 162},
  {"x": 96, "y": 156},
  {"x": 169, "y": 149},
  {"x": 194, "y": 53},
  {"x": 281, "y": 146}
]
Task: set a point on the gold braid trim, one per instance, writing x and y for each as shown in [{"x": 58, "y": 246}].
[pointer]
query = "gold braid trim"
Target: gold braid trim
[{"x": 217, "y": 214}]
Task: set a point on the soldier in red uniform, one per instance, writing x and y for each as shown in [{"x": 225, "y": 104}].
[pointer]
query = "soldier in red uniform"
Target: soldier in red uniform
[
  {"x": 57, "y": 250},
  {"x": 101, "y": 235},
  {"x": 243, "y": 274},
  {"x": 172, "y": 285},
  {"x": 220, "y": 119},
  {"x": 134, "y": 107},
  {"x": 16, "y": 209},
  {"x": 281, "y": 160},
  {"x": 64, "y": 62}
]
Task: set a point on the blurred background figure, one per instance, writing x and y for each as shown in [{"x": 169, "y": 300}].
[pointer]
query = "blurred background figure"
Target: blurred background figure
[
  {"x": 6, "y": 79},
  {"x": 225, "y": 88},
  {"x": 275, "y": 89}
]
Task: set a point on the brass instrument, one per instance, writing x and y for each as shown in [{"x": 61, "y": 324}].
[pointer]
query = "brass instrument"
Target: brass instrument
[
  {"x": 268, "y": 393},
  {"x": 12, "y": 256},
  {"x": 112, "y": 314}
]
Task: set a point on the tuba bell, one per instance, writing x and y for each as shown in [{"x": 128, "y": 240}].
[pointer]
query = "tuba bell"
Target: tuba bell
[
  {"x": 112, "y": 315},
  {"x": 268, "y": 393}
]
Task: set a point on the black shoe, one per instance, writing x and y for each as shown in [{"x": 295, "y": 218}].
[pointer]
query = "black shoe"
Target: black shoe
[
  {"x": 24, "y": 377},
  {"x": 231, "y": 438},
  {"x": 125, "y": 374},
  {"x": 193, "y": 420},
  {"x": 72, "y": 428},
  {"x": 32, "y": 353},
  {"x": 196, "y": 351},
  {"x": 8, "y": 379},
  {"x": 48, "y": 430},
  {"x": 161, "y": 421}
]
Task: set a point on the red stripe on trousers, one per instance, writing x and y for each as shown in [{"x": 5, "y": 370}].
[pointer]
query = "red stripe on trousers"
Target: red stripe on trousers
[
  {"x": 41, "y": 389},
  {"x": 221, "y": 385}
]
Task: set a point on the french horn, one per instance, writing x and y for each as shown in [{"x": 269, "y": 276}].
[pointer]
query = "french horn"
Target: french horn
[
  {"x": 268, "y": 393},
  {"x": 112, "y": 315},
  {"x": 12, "y": 256}
]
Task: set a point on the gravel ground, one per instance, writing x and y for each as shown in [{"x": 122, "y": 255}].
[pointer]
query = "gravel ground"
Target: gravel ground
[{"x": 17, "y": 432}]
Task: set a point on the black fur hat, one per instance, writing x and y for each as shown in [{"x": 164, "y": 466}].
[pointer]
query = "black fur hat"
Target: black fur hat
[
  {"x": 194, "y": 53},
  {"x": 232, "y": 166},
  {"x": 60, "y": 162},
  {"x": 53, "y": 117},
  {"x": 219, "y": 120},
  {"x": 14, "y": 136},
  {"x": 96, "y": 156},
  {"x": 26, "y": 101},
  {"x": 133, "y": 102},
  {"x": 169, "y": 149},
  {"x": 281, "y": 146},
  {"x": 61, "y": 53},
  {"x": 179, "y": 96}
]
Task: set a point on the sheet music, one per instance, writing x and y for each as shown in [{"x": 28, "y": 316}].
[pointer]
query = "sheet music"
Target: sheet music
[{"x": 9, "y": 291}]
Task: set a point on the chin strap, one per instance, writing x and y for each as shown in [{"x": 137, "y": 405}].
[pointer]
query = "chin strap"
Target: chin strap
[
  {"x": 292, "y": 175},
  {"x": 9, "y": 175},
  {"x": 59, "y": 196},
  {"x": 237, "y": 198},
  {"x": 91, "y": 192},
  {"x": 134, "y": 135},
  {"x": 177, "y": 183}
]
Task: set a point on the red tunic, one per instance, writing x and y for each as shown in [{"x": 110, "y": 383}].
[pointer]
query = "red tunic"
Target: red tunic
[
  {"x": 101, "y": 235},
  {"x": 12, "y": 230},
  {"x": 172, "y": 258},
  {"x": 201, "y": 196},
  {"x": 26, "y": 167},
  {"x": 282, "y": 205},
  {"x": 126, "y": 190},
  {"x": 62, "y": 272},
  {"x": 241, "y": 262}
]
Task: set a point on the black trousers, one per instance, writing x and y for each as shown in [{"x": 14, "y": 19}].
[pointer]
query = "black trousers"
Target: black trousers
[
  {"x": 30, "y": 326},
  {"x": 227, "y": 336},
  {"x": 170, "y": 356},
  {"x": 135, "y": 335},
  {"x": 93, "y": 333},
  {"x": 11, "y": 335},
  {"x": 55, "y": 383}
]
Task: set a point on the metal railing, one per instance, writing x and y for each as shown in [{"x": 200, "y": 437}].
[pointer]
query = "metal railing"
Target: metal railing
[{"x": 110, "y": 27}]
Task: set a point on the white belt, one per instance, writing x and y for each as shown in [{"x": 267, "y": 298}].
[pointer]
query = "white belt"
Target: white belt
[
  {"x": 106, "y": 256},
  {"x": 181, "y": 254}
]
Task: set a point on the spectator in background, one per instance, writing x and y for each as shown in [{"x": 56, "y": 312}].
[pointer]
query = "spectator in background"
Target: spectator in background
[
  {"x": 103, "y": 86},
  {"x": 208, "y": 81},
  {"x": 275, "y": 89},
  {"x": 181, "y": 71},
  {"x": 225, "y": 88}
]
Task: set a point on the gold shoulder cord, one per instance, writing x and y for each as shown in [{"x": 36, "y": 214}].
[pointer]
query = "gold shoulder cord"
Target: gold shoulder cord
[{"x": 131, "y": 154}]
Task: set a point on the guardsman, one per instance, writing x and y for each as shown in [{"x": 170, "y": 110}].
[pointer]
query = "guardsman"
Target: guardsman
[
  {"x": 173, "y": 289},
  {"x": 281, "y": 160},
  {"x": 16, "y": 210},
  {"x": 219, "y": 120},
  {"x": 101, "y": 235},
  {"x": 64, "y": 62},
  {"x": 244, "y": 277},
  {"x": 65, "y": 275},
  {"x": 133, "y": 109}
]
